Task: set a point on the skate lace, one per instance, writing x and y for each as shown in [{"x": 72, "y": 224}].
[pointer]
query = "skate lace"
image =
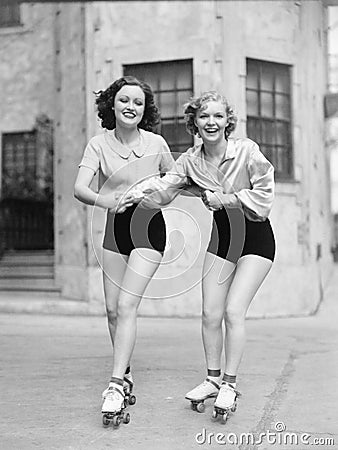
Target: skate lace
[
  {"x": 205, "y": 385},
  {"x": 114, "y": 394},
  {"x": 228, "y": 387},
  {"x": 227, "y": 390},
  {"x": 208, "y": 383}
]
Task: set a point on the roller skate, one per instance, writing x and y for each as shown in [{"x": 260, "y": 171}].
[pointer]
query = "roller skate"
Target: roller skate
[
  {"x": 128, "y": 384},
  {"x": 113, "y": 407},
  {"x": 207, "y": 389},
  {"x": 226, "y": 401}
]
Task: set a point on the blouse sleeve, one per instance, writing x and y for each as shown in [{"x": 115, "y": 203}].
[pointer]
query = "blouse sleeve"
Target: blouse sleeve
[
  {"x": 91, "y": 157},
  {"x": 261, "y": 173},
  {"x": 167, "y": 160},
  {"x": 160, "y": 191}
]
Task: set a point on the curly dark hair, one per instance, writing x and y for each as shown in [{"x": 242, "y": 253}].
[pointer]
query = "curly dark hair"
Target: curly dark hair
[
  {"x": 105, "y": 103},
  {"x": 195, "y": 104}
]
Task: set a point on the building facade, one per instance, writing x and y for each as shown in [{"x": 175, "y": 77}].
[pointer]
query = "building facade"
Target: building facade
[
  {"x": 332, "y": 138},
  {"x": 268, "y": 58}
]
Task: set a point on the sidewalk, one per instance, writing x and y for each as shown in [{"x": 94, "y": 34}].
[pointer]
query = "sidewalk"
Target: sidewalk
[{"x": 54, "y": 369}]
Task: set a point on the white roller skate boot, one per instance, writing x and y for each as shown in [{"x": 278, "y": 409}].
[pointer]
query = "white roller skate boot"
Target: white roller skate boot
[
  {"x": 113, "y": 406},
  {"x": 226, "y": 401},
  {"x": 128, "y": 385},
  {"x": 207, "y": 389}
]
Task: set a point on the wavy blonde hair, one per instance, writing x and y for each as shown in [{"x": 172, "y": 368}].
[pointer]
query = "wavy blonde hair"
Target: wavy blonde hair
[{"x": 196, "y": 103}]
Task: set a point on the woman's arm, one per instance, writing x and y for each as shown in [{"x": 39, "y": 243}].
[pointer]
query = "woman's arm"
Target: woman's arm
[
  {"x": 85, "y": 194},
  {"x": 160, "y": 191},
  {"x": 82, "y": 191},
  {"x": 259, "y": 197},
  {"x": 218, "y": 200}
]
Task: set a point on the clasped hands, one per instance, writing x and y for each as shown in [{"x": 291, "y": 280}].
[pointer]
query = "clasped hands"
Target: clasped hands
[
  {"x": 118, "y": 202},
  {"x": 218, "y": 200}
]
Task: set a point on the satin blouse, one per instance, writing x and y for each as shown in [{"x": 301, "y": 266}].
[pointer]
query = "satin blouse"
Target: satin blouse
[{"x": 244, "y": 172}]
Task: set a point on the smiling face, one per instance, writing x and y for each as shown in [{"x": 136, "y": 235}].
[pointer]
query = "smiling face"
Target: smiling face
[
  {"x": 129, "y": 105},
  {"x": 211, "y": 121}
]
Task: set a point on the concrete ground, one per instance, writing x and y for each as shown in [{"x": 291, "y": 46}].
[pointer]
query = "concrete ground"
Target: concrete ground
[{"x": 54, "y": 369}]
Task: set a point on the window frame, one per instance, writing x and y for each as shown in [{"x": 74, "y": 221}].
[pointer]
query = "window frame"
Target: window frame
[
  {"x": 287, "y": 147},
  {"x": 176, "y": 119}
]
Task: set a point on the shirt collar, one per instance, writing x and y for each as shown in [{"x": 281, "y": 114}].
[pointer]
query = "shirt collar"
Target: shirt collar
[
  {"x": 230, "y": 151},
  {"x": 229, "y": 154},
  {"x": 197, "y": 154},
  {"x": 121, "y": 149}
]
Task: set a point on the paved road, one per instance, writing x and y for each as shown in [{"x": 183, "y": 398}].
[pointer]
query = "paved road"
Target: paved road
[{"x": 54, "y": 368}]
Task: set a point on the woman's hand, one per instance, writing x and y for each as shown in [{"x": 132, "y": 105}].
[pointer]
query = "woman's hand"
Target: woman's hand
[
  {"x": 218, "y": 200},
  {"x": 123, "y": 202},
  {"x": 136, "y": 195},
  {"x": 114, "y": 202},
  {"x": 133, "y": 196},
  {"x": 212, "y": 200}
]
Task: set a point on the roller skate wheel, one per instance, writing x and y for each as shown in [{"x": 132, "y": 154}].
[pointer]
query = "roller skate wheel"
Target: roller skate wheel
[
  {"x": 126, "y": 418},
  {"x": 214, "y": 414},
  {"x": 225, "y": 417},
  {"x": 105, "y": 420},
  {"x": 234, "y": 407},
  {"x": 116, "y": 421},
  {"x": 200, "y": 407},
  {"x": 193, "y": 406},
  {"x": 132, "y": 400}
]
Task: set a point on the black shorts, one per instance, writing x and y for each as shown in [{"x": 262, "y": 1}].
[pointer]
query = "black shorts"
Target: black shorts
[
  {"x": 233, "y": 236},
  {"x": 135, "y": 228}
]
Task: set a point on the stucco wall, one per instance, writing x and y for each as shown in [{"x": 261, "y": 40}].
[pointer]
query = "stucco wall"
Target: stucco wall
[
  {"x": 333, "y": 121},
  {"x": 27, "y": 65},
  {"x": 70, "y": 139}
]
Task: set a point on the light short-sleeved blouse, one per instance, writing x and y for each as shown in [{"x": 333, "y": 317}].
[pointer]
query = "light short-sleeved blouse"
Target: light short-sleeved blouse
[{"x": 121, "y": 167}]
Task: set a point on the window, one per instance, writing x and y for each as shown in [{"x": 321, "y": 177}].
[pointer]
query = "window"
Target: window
[
  {"x": 19, "y": 164},
  {"x": 268, "y": 102},
  {"x": 9, "y": 14},
  {"x": 26, "y": 207},
  {"x": 172, "y": 85}
]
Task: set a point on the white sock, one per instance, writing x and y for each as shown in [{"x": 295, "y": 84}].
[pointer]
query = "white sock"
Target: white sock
[{"x": 215, "y": 379}]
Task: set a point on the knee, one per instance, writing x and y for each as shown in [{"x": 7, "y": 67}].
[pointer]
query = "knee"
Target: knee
[
  {"x": 233, "y": 317},
  {"x": 127, "y": 306},
  {"x": 212, "y": 318}
]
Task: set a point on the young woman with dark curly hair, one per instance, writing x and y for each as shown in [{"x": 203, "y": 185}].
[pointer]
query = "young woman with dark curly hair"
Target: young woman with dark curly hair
[
  {"x": 134, "y": 239},
  {"x": 237, "y": 184}
]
